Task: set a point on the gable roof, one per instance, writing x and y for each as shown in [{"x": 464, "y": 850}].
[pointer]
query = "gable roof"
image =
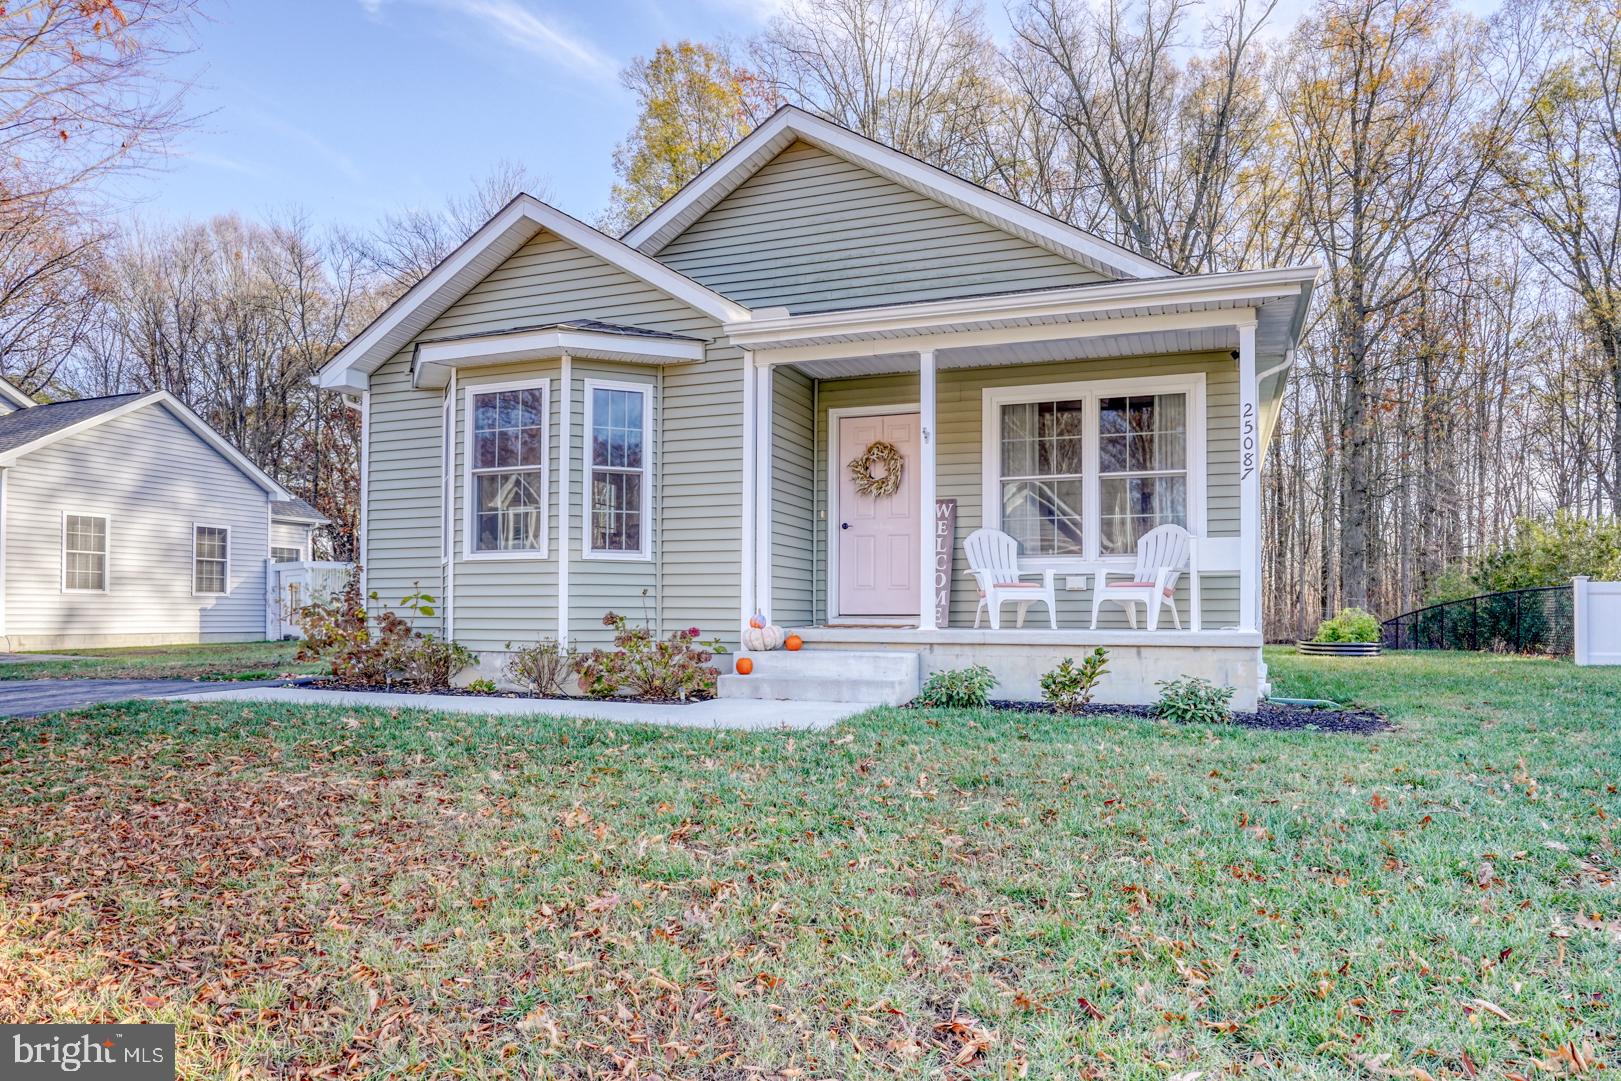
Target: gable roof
[
  {"x": 790, "y": 123},
  {"x": 28, "y": 430},
  {"x": 11, "y": 393},
  {"x": 495, "y": 241}
]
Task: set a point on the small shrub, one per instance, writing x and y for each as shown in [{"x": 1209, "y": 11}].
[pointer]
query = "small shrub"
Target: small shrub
[
  {"x": 425, "y": 663},
  {"x": 482, "y": 686},
  {"x": 648, "y": 667},
  {"x": 541, "y": 668},
  {"x": 957, "y": 688},
  {"x": 1350, "y": 625},
  {"x": 1193, "y": 700},
  {"x": 341, "y": 633},
  {"x": 1070, "y": 686}
]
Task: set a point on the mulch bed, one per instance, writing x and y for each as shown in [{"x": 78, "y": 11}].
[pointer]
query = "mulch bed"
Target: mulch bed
[
  {"x": 463, "y": 692},
  {"x": 1270, "y": 715}
]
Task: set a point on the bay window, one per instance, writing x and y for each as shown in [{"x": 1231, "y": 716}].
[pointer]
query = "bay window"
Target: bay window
[
  {"x": 506, "y": 488},
  {"x": 1080, "y": 471},
  {"x": 618, "y": 430}
]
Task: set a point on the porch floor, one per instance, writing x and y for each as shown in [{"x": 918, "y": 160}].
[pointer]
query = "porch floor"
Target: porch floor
[{"x": 1029, "y": 635}]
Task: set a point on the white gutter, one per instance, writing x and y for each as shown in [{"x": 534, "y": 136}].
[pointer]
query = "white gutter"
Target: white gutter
[{"x": 1075, "y": 300}]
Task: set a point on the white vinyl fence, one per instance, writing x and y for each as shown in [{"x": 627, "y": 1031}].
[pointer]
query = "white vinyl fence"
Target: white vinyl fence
[
  {"x": 293, "y": 585},
  {"x": 1598, "y": 621}
]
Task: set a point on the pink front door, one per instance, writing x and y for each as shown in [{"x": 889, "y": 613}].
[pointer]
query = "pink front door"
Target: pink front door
[{"x": 878, "y": 536}]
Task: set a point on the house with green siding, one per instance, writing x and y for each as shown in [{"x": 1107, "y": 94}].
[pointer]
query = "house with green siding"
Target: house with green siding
[{"x": 682, "y": 424}]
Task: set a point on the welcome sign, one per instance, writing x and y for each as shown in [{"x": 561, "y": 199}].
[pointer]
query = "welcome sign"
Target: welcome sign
[{"x": 945, "y": 541}]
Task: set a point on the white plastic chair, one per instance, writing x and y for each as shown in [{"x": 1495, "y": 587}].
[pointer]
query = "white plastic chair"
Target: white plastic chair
[
  {"x": 1162, "y": 554},
  {"x": 993, "y": 559}
]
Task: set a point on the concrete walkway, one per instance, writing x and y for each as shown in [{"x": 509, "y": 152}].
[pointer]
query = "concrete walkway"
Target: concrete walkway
[
  {"x": 716, "y": 713},
  {"x": 32, "y": 697}
]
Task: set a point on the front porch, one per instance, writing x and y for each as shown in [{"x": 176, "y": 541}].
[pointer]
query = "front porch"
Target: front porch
[{"x": 1014, "y": 413}]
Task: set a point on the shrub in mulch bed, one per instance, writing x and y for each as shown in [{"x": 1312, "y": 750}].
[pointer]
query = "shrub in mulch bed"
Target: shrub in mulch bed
[
  {"x": 1270, "y": 715},
  {"x": 467, "y": 692}
]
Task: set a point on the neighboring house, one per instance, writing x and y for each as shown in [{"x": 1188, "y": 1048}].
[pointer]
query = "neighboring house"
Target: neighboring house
[
  {"x": 558, "y": 422},
  {"x": 126, "y": 520}
]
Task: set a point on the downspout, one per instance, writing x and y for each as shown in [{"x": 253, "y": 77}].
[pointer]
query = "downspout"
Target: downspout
[{"x": 818, "y": 508}]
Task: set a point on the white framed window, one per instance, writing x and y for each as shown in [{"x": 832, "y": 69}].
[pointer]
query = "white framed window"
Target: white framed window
[
  {"x": 86, "y": 544},
  {"x": 279, "y": 554},
  {"x": 1079, "y": 471},
  {"x": 505, "y": 476},
  {"x": 619, "y": 457},
  {"x": 210, "y": 560}
]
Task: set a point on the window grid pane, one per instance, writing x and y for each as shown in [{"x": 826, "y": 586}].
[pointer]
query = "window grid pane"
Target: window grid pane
[
  {"x": 1142, "y": 466},
  {"x": 508, "y": 451},
  {"x": 209, "y": 563},
  {"x": 618, "y": 418},
  {"x": 1042, "y": 488},
  {"x": 84, "y": 552}
]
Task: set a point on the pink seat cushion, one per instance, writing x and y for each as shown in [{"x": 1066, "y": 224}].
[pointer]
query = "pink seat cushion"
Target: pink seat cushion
[
  {"x": 1018, "y": 585},
  {"x": 1144, "y": 585}
]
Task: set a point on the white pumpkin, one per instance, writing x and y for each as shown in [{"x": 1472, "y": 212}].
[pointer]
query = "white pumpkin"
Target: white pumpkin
[{"x": 759, "y": 639}]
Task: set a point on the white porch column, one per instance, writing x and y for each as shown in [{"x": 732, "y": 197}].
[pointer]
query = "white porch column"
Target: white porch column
[
  {"x": 925, "y": 490},
  {"x": 747, "y": 496},
  {"x": 762, "y": 488},
  {"x": 565, "y": 470},
  {"x": 1249, "y": 485}
]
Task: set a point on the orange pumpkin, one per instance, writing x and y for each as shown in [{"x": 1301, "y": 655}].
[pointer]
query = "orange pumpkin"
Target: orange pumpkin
[
  {"x": 794, "y": 642},
  {"x": 744, "y": 666}
]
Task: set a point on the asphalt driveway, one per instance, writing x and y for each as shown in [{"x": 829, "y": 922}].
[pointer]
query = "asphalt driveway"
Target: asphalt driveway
[{"x": 31, "y": 697}]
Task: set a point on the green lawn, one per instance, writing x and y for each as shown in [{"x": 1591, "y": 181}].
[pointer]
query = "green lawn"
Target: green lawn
[
  {"x": 914, "y": 894},
  {"x": 215, "y": 660}
]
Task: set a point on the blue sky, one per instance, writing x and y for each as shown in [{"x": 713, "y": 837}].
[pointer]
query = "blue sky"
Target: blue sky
[{"x": 351, "y": 108}]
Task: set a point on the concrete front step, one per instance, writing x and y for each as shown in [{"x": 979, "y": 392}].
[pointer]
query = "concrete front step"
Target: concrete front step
[{"x": 886, "y": 678}]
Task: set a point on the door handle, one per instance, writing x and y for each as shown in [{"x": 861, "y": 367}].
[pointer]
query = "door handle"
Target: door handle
[{"x": 844, "y": 525}]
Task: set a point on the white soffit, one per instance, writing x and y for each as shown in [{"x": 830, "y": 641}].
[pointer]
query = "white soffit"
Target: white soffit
[
  {"x": 435, "y": 360},
  {"x": 789, "y": 124}
]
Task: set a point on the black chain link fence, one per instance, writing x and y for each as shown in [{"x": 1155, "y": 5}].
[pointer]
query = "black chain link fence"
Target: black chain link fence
[{"x": 1540, "y": 620}]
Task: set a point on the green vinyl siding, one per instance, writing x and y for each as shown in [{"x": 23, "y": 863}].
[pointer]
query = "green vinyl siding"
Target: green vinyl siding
[
  {"x": 698, "y": 448},
  {"x": 811, "y": 231},
  {"x": 794, "y": 525},
  {"x": 959, "y": 422}
]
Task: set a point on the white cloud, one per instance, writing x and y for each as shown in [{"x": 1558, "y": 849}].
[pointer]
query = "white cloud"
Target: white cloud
[{"x": 518, "y": 24}]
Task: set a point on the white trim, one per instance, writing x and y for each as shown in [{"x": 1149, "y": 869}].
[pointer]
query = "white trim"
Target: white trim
[
  {"x": 14, "y": 394},
  {"x": 505, "y": 233},
  {"x": 449, "y": 517},
  {"x": 106, "y": 555},
  {"x": 644, "y": 554},
  {"x": 764, "y": 427},
  {"x": 1249, "y": 483},
  {"x": 928, "y": 403},
  {"x": 182, "y": 413},
  {"x": 1091, "y": 391},
  {"x": 469, "y": 499},
  {"x": 195, "y": 592},
  {"x": 870, "y": 342},
  {"x": 748, "y": 497},
  {"x": 435, "y": 360},
  {"x": 834, "y": 470},
  {"x": 1237, "y": 287},
  {"x": 365, "y": 496},
  {"x": 735, "y": 166},
  {"x": 565, "y": 470}
]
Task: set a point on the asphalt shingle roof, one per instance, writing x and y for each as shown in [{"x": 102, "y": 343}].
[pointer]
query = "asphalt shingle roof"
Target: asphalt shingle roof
[
  {"x": 26, "y": 425},
  {"x": 295, "y": 510}
]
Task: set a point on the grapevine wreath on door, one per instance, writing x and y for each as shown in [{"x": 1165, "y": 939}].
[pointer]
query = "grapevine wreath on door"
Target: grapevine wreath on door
[{"x": 877, "y": 472}]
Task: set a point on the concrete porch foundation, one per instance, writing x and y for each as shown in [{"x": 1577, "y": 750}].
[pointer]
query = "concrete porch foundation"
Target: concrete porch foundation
[{"x": 1137, "y": 660}]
